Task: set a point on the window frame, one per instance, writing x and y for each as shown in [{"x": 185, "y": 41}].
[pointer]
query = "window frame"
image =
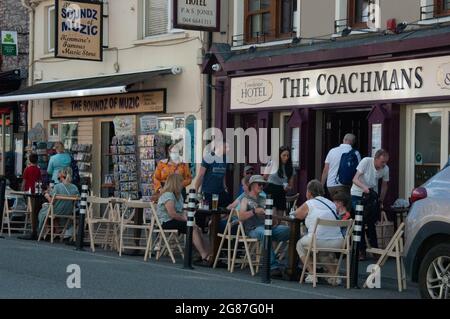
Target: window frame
[
  {"x": 351, "y": 15},
  {"x": 50, "y": 46},
  {"x": 439, "y": 10},
  {"x": 276, "y": 11}
]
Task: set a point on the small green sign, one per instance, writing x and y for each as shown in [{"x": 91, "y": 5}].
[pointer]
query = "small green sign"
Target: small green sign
[{"x": 9, "y": 43}]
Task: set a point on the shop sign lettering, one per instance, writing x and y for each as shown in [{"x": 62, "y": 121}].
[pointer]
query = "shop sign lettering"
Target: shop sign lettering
[
  {"x": 130, "y": 103},
  {"x": 202, "y": 15}
]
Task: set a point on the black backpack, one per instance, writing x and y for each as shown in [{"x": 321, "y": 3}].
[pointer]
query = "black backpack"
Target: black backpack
[{"x": 347, "y": 168}]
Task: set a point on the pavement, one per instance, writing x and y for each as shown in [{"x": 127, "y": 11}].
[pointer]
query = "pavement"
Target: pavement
[{"x": 32, "y": 270}]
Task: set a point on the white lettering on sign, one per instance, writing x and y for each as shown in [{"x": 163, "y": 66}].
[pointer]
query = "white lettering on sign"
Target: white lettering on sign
[{"x": 377, "y": 81}]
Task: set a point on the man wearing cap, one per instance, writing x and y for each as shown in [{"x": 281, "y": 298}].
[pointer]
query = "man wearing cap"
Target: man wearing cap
[
  {"x": 248, "y": 171},
  {"x": 252, "y": 214}
]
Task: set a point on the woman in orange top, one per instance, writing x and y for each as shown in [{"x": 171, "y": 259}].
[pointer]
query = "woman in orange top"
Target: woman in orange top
[{"x": 170, "y": 166}]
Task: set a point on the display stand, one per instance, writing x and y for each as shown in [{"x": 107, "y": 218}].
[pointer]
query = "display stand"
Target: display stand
[{"x": 82, "y": 154}]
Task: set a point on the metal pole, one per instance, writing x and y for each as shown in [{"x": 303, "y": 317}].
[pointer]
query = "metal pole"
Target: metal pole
[
  {"x": 83, "y": 206},
  {"x": 267, "y": 240},
  {"x": 357, "y": 232},
  {"x": 190, "y": 227}
]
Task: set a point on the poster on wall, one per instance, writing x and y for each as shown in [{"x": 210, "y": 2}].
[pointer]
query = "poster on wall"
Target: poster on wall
[
  {"x": 125, "y": 125},
  {"x": 376, "y": 138},
  {"x": 79, "y": 30},
  {"x": 201, "y": 15},
  {"x": 166, "y": 126},
  {"x": 296, "y": 147},
  {"x": 149, "y": 124},
  {"x": 9, "y": 43}
]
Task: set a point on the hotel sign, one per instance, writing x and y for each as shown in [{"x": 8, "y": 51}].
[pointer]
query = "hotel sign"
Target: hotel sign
[
  {"x": 117, "y": 104},
  {"x": 79, "y": 30},
  {"x": 202, "y": 15},
  {"x": 398, "y": 80}
]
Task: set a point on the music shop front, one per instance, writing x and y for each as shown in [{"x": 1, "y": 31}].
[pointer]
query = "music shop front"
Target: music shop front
[{"x": 401, "y": 106}]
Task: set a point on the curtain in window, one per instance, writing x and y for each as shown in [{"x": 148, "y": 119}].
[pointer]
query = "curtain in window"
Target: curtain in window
[{"x": 156, "y": 17}]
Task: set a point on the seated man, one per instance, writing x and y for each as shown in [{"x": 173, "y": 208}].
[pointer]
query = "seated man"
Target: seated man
[{"x": 252, "y": 214}]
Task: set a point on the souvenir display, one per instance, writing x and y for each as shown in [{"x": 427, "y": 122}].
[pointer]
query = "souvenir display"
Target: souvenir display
[
  {"x": 81, "y": 153},
  {"x": 125, "y": 176}
]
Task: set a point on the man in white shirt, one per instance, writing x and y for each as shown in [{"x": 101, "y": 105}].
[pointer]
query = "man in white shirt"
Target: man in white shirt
[
  {"x": 368, "y": 173},
  {"x": 332, "y": 162}
]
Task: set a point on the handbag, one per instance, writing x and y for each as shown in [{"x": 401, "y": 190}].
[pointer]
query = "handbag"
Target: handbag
[{"x": 385, "y": 230}]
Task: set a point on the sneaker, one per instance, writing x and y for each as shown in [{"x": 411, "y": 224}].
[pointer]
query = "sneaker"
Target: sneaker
[
  {"x": 309, "y": 279},
  {"x": 334, "y": 281},
  {"x": 276, "y": 273}
]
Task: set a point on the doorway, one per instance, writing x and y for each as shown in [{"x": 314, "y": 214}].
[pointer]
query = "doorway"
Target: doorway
[{"x": 338, "y": 123}]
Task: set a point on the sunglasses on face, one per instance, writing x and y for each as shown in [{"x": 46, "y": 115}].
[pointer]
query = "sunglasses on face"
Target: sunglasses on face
[
  {"x": 261, "y": 184},
  {"x": 249, "y": 173}
]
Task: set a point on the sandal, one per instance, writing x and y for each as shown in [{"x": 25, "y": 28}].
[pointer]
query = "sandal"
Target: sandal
[{"x": 203, "y": 263}]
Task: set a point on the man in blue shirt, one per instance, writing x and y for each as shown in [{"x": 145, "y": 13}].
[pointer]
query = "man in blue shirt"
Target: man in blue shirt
[{"x": 212, "y": 174}]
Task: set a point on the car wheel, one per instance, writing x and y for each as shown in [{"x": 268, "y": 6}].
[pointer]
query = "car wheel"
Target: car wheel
[{"x": 434, "y": 273}]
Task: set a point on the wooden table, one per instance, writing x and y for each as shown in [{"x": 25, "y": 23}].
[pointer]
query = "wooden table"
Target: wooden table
[
  {"x": 36, "y": 204},
  {"x": 214, "y": 228},
  {"x": 294, "y": 226}
]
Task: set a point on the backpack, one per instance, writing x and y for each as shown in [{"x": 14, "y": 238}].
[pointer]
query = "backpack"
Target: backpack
[
  {"x": 76, "y": 180},
  {"x": 347, "y": 168}
]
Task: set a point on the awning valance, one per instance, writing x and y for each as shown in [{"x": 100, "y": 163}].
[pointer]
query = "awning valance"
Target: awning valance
[{"x": 101, "y": 85}]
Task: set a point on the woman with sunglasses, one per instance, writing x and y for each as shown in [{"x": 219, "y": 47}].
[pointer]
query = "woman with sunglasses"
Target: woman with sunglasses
[{"x": 280, "y": 178}]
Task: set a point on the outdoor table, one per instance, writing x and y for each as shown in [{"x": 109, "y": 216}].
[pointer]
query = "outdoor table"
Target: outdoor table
[
  {"x": 294, "y": 226},
  {"x": 36, "y": 204},
  {"x": 214, "y": 228}
]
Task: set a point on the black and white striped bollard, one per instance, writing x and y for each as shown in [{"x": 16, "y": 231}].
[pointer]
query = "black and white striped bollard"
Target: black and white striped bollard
[
  {"x": 83, "y": 208},
  {"x": 190, "y": 227},
  {"x": 267, "y": 240},
  {"x": 357, "y": 233}
]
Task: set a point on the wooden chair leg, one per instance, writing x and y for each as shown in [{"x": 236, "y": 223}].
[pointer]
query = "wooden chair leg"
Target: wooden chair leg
[
  {"x": 91, "y": 236},
  {"x": 219, "y": 250},
  {"x": 236, "y": 243},
  {"x": 302, "y": 277},
  {"x": 249, "y": 257},
  {"x": 399, "y": 273},
  {"x": 314, "y": 252},
  {"x": 347, "y": 258}
]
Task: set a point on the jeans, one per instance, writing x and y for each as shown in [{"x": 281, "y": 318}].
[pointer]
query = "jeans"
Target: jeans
[
  {"x": 279, "y": 233},
  {"x": 370, "y": 218}
]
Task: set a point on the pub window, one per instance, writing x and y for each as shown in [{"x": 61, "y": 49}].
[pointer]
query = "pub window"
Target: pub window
[
  {"x": 358, "y": 13},
  {"x": 51, "y": 29},
  {"x": 269, "y": 19},
  {"x": 441, "y": 7}
]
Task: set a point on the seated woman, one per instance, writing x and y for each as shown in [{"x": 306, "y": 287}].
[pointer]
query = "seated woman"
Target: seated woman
[
  {"x": 64, "y": 188},
  {"x": 316, "y": 207},
  {"x": 171, "y": 215}
]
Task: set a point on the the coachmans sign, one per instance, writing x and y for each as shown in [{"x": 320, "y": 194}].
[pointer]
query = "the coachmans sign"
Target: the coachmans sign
[
  {"x": 117, "y": 104},
  {"x": 79, "y": 30},
  {"x": 370, "y": 82}
]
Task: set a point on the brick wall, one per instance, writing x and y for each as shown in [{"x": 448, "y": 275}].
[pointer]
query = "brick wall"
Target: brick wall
[{"x": 14, "y": 17}]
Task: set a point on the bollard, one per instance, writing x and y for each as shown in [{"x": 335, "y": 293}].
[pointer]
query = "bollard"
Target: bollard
[
  {"x": 357, "y": 232},
  {"x": 267, "y": 240},
  {"x": 190, "y": 228},
  {"x": 83, "y": 207}
]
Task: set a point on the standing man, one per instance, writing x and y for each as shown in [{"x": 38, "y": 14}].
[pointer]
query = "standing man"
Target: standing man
[
  {"x": 339, "y": 170},
  {"x": 365, "y": 190},
  {"x": 212, "y": 174}
]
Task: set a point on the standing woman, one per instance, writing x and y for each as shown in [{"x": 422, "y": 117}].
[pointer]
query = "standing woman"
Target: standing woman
[
  {"x": 172, "y": 165},
  {"x": 280, "y": 180}
]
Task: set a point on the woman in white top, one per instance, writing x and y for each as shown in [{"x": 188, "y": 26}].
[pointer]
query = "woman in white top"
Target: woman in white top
[{"x": 316, "y": 207}]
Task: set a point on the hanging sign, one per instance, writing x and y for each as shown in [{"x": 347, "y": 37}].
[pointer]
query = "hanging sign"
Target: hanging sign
[
  {"x": 79, "y": 30},
  {"x": 202, "y": 15},
  {"x": 9, "y": 43}
]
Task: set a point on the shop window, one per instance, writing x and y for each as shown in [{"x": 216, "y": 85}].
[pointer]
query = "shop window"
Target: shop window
[
  {"x": 267, "y": 20},
  {"x": 51, "y": 29},
  {"x": 69, "y": 134},
  {"x": 358, "y": 13},
  {"x": 427, "y": 150},
  {"x": 441, "y": 8}
]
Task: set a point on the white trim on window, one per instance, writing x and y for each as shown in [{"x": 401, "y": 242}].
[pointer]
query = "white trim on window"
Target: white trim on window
[
  {"x": 169, "y": 30},
  {"x": 50, "y": 32}
]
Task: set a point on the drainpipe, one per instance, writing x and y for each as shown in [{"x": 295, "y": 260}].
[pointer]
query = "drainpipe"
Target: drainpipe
[
  {"x": 209, "y": 88},
  {"x": 31, "y": 6}
]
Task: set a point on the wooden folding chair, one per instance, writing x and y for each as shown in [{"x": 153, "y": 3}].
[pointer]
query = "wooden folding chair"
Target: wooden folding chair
[
  {"x": 58, "y": 230},
  {"x": 226, "y": 235},
  {"x": 103, "y": 229},
  {"x": 393, "y": 249},
  {"x": 164, "y": 241},
  {"x": 344, "y": 250},
  {"x": 251, "y": 249},
  {"x": 291, "y": 202},
  {"x": 10, "y": 212},
  {"x": 127, "y": 223}
]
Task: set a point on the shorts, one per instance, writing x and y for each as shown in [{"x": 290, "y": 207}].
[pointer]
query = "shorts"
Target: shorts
[{"x": 175, "y": 224}]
